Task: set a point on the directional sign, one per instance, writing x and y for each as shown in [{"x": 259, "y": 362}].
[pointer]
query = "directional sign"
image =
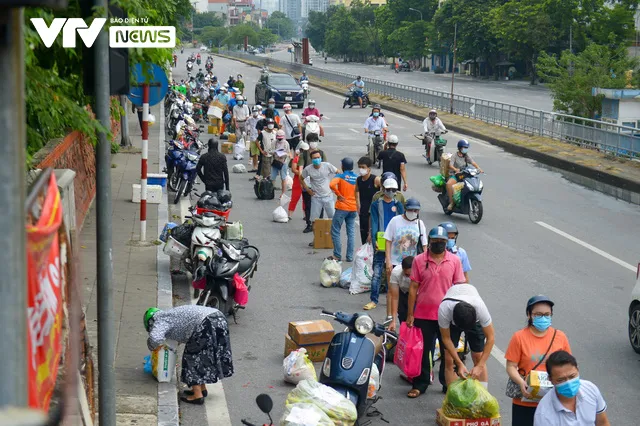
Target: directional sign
[{"x": 157, "y": 81}]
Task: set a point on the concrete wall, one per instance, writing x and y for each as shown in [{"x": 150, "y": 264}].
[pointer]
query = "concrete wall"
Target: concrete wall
[{"x": 629, "y": 111}]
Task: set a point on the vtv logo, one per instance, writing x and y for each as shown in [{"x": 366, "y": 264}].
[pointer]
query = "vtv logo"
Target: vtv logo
[{"x": 48, "y": 34}]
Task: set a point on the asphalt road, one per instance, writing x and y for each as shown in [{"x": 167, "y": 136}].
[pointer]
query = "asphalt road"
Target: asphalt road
[
  {"x": 540, "y": 234},
  {"x": 519, "y": 93}
]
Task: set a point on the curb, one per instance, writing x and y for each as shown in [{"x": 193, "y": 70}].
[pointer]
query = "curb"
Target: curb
[
  {"x": 168, "y": 413},
  {"x": 616, "y": 186}
]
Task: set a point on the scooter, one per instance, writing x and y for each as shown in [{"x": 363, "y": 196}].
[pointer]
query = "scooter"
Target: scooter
[
  {"x": 204, "y": 240},
  {"x": 374, "y": 146},
  {"x": 470, "y": 200},
  {"x": 265, "y": 403},
  {"x": 352, "y": 354},
  {"x": 311, "y": 125},
  {"x": 351, "y": 100},
  {"x": 433, "y": 146},
  {"x": 305, "y": 88},
  {"x": 185, "y": 174}
]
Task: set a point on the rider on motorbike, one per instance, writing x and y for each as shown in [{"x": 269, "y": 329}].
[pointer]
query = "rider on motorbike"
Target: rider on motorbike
[
  {"x": 311, "y": 109},
  {"x": 459, "y": 160},
  {"x": 375, "y": 122},
  {"x": 433, "y": 124},
  {"x": 200, "y": 75},
  {"x": 358, "y": 91},
  {"x": 304, "y": 77}
]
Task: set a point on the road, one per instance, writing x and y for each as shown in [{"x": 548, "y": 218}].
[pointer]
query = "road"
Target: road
[
  {"x": 540, "y": 234},
  {"x": 519, "y": 93}
]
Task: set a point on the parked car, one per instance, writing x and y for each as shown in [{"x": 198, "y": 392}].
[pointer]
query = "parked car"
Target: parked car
[
  {"x": 203, "y": 48},
  {"x": 283, "y": 88},
  {"x": 634, "y": 314}
]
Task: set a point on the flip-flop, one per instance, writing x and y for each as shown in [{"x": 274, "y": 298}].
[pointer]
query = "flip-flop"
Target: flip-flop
[{"x": 414, "y": 393}]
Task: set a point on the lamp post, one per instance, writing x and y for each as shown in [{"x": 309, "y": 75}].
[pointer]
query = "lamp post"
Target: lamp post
[
  {"x": 416, "y": 10},
  {"x": 453, "y": 68}
]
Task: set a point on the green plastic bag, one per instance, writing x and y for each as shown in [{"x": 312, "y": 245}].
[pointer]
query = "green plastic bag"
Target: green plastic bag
[
  {"x": 437, "y": 180},
  {"x": 468, "y": 399},
  {"x": 338, "y": 408}
]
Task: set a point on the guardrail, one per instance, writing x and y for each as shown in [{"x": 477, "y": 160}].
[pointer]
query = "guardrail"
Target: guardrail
[{"x": 610, "y": 138}]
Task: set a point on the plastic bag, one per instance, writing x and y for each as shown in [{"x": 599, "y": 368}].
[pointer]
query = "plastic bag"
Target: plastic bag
[
  {"x": 345, "y": 278},
  {"x": 163, "y": 363},
  {"x": 374, "y": 382},
  {"x": 238, "y": 151},
  {"x": 280, "y": 215},
  {"x": 457, "y": 192},
  {"x": 284, "y": 201},
  {"x": 436, "y": 355},
  {"x": 297, "y": 367},
  {"x": 330, "y": 273},
  {"x": 304, "y": 415},
  {"x": 437, "y": 180},
  {"x": 408, "y": 356},
  {"x": 288, "y": 183},
  {"x": 147, "y": 365},
  {"x": 166, "y": 231},
  {"x": 468, "y": 399},
  {"x": 362, "y": 270},
  {"x": 339, "y": 409},
  {"x": 241, "y": 295},
  {"x": 239, "y": 168}
]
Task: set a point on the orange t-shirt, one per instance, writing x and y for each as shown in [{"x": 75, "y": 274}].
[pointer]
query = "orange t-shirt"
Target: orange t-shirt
[{"x": 526, "y": 350}]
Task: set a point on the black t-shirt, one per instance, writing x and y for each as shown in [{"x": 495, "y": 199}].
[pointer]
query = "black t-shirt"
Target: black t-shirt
[
  {"x": 391, "y": 161},
  {"x": 366, "y": 189}
]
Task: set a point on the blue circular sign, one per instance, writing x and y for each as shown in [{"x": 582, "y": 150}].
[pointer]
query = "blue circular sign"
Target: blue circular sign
[{"x": 157, "y": 80}]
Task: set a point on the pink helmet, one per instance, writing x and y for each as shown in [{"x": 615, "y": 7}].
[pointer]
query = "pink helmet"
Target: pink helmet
[
  {"x": 286, "y": 107},
  {"x": 280, "y": 134}
]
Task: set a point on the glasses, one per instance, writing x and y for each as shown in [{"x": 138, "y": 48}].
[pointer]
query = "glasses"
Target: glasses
[
  {"x": 540, "y": 315},
  {"x": 391, "y": 190}
]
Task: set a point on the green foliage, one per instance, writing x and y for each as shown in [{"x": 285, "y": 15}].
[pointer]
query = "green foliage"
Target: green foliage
[
  {"x": 239, "y": 32},
  {"x": 571, "y": 77},
  {"x": 316, "y": 29},
  {"x": 214, "y": 35},
  {"x": 207, "y": 19},
  {"x": 278, "y": 23},
  {"x": 115, "y": 147},
  {"x": 266, "y": 37}
]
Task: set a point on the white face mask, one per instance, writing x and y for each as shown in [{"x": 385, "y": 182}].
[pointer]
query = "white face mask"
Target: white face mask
[
  {"x": 255, "y": 114},
  {"x": 363, "y": 172},
  {"x": 269, "y": 126},
  {"x": 411, "y": 215},
  {"x": 313, "y": 145}
]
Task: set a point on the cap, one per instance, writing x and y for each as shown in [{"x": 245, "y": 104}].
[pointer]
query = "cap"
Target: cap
[
  {"x": 272, "y": 100},
  {"x": 280, "y": 134},
  {"x": 303, "y": 146},
  {"x": 390, "y": 184},
  {"x": 286, "y": 107}
]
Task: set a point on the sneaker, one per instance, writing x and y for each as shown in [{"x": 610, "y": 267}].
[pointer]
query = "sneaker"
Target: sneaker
[
  {"x": 308, "y": 229},
  {"x": 369, "y": 306}
]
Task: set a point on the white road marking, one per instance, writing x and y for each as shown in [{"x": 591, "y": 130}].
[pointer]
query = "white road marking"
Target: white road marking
[
  {"x": 497, "y": 353},
  {"x": 215, "y": 405},
  {"x": 354, "y": 131},
  {"x": 588, "y": 246}
]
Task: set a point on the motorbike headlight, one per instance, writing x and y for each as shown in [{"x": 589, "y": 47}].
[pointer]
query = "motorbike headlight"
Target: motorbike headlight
[
  {"x": 364, "y": 324},
  {"x": 192, "y": 156},
  {"x": 480, "y": 185},
  {"x": 364, "y": 376}
]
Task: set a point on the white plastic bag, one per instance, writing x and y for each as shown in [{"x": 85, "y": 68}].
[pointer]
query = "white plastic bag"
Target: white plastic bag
[
  {"x": 330, "y": 273},
  {"x": 288, "y": 182},
  {"x": 374, "y": 382},
  {"x": 339, "y": 409},
  {"x": 238, "y": 151},
  {"x": 239, "y": 168},
  {"x": 163, "y": 363},
  {"x": 345, "y": 278},
  {"x": 284, "y": 201},
  {"x": 297, "y": 367},
  {"x": 280, "y": 215},
  {"x": 362, "y": 270},
  {"x": 304, "y": 415}
]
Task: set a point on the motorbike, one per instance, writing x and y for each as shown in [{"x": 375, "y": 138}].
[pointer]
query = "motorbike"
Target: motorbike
[
  {"x": 351, "y": 100},
  {"x": 185, "y": 174},
  {"x": 265, "y": 403},
  {"x": 352, "y": 354},
  {"x": 433, "y": 146},
  {"x": 182, "y": 50},
  {"x": 311, "y": 125},
  {"x": 305, "y": 88},
  {"x": 189, "y": 66},
  {"x": 374, "y": 146},
  {"x": 199, "y": 61},
  {"x": 172, "y": 158},
  {"x": 204, "y": 240},
  {"x": 470, "y": 200}
]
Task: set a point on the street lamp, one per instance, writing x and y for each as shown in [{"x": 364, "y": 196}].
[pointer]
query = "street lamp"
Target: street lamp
[{"x": 416, "y": 10}]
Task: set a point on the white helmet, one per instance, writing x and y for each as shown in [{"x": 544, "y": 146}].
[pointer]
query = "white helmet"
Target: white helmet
[
  {"x": 239, "y": 98},
  {"x": 393, "y": 139},
  {"x": 255, "y": 108},
  {"x": 390, "y": 183},
  {"x": 311, "y": 101},
  {"x": 286, "y": 107}
]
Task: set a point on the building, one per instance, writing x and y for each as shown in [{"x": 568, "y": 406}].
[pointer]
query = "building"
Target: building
[
  {"x": 291, "y": 8},
  {"x": 316, "y": 5},
  {"x": 620, "y": 106},
  {"x": 347, "y": 3},
  {"x": 218, "y": 6},
  {"x": 239, "y": 11}
]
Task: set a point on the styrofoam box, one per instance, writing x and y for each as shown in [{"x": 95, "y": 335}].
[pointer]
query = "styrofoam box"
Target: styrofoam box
[{"x": 154, "y": 193}]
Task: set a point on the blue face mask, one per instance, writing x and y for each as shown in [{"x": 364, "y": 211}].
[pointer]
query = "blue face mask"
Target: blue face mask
[
  {"x": 464, "y": 150},
  {"x": 316, "y": 161},
  {"x": 240, "y": 102},
  {"x": 542, "y": 323},
  {"x": 272, "y": 106},
  {"x": 375, "y": 114},
  {"x": 570, "y": 388},
  {"x": 451, "y": 244}
]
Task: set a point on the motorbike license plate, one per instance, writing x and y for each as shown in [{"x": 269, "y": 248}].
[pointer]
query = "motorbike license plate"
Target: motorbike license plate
[{"x": 288, "y": 98}]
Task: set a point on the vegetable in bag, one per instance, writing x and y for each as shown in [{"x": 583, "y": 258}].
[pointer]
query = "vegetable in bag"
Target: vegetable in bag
[
  {"x": 468, "y": 399},
  {"x": 362, "y": 270},
  {"x": 330, "y": 273},
  {"x": 304, "y": 415},
  {"x": 339, "y": 409},
  {"x": 297, "y": 367}
]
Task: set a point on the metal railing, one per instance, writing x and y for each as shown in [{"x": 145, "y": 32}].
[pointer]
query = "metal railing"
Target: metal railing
[{"x": 606, "y": 137}]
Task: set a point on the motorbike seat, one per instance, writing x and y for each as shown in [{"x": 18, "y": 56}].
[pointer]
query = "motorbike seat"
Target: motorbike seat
[
  {"x": 251, "y": 255},
  {"x": 377, "y": 342}
]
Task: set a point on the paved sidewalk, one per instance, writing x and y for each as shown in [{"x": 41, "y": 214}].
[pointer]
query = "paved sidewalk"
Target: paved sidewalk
[{"x": 135, "y": 280}]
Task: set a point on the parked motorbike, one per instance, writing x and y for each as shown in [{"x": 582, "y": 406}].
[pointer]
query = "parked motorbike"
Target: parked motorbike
[
  {"x": 185, "y": 174},
  {"x": 351, "y": 100},
  {"x": 352, "y": 354},
  {"x": 204, "y": 241},
  {"x": 265, "y": 403},
  {"x": 374, "y": 146},
  {"x": 470, "y": 201},
  {"x": 433, "y": 146}
]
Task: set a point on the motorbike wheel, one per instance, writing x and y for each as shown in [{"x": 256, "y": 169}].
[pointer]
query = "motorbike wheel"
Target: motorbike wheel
[
  {"x": 371, "y": 152},
  {"x": 172, "y": 181},
  {"x": 475, "y": 211},
  {"x": 179, "y": 191},
  {"x": 344, "y": 104},
  {"x": 196, "y": 293}
]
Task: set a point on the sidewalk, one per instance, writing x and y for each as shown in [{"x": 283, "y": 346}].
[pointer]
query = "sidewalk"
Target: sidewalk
[{"x": 135, "y": 280}]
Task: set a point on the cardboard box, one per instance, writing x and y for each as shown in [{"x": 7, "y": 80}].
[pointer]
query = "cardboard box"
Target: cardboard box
[
  {"x": 311, "y": 332},
  {"x": 213, "y": 130},
  {"x": 445, "y": 160},
  {"x": 538, "y": 384},
  {"x": 316, "y": 353},
  {"x": 227, "y": 148},
  {"x": 443, "y": 420},
  {"x": 232, "y": 137},
  {"x": 322, "y": 234},
  {"x": 154, "y": 193}
]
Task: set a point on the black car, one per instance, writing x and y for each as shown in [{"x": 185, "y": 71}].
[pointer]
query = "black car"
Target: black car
[{"x": 281, "y": 87}]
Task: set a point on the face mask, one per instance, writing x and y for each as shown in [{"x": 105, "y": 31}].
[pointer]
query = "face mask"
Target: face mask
[
  {"x": 240, "y": 102},
  {"x": 316, "y": 161},
  {"x": 255, "y": 114},
  {"x": 272, "y": 106},
  {"x": 411, "y": 215},
  {"x": 390, "y": 194},
  {"x": 451, "y": 244},
  {"x": 464, "y": 150},
  {"x": 432, "y": 117},
  {"x": 313, "y": 145},
  {"x": 363, "y": 172},
  {"x": 541, "y": 323},
  {"x": 269, "y": 126},
  {"x": 438, "y": 247},
  {"x": 375, "y": 114},
  {"x": 570, "y": 388}
]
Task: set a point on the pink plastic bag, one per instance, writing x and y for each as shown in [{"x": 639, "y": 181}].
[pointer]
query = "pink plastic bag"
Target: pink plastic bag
[
  {"x": 408, "y": 356},
  {"x": 241, "y": 296},
  {"x": 200, "y": 284}
]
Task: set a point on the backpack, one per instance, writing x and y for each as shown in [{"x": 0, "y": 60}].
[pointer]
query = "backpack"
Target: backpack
[{"x": 264, "y": 189}]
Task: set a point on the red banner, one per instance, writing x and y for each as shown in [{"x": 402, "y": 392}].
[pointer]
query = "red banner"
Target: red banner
[{"x": 44, "y": 300}]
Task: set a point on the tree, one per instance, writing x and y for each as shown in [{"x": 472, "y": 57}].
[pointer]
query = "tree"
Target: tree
[
  {"x": 340, "y": 28},
  {"x": 214, "y": 35},
  {"x": 316, "y": 29},
  {"x": 279, "y": 24},
  {"x": 572, "y": 76},
  {"x": 207, "y": 19},
  {"x": 267, "y": 38},
  {"x": 239, "y": 32}
]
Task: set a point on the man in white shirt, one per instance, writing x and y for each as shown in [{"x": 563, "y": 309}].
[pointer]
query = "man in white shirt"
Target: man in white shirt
[
  {"x": 250, "y": 125},
  {"x": 358, "y": 85},
  {"x": 399, "y": 284},
  {"x": 375, "y": 122},
  {"x": 240, "y": 116},
  {"x": 572, "y": 402},
  {"x": 289, "y": 122}
]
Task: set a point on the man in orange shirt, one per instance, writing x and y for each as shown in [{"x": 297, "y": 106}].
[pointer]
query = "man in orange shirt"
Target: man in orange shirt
[{"x": 344, "y": 186}]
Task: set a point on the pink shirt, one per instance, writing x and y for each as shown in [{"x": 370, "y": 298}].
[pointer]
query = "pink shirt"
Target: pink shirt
[
  {"x": 434, "y": 282},
  {"x": 308, "y": 111}
]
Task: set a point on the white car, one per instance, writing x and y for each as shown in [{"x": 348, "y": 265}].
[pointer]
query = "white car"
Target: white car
[
  {"x": 203, "y": 48},
  {"x": 634, "y": 315}
]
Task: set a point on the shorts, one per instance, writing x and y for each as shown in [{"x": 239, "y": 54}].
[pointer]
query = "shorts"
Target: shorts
[
  {"x": 282, "y": 172},
  {"x": 253, "y": 148},
  {"x": 357, "y": 94},
  {"x": 475, "y": 337}
]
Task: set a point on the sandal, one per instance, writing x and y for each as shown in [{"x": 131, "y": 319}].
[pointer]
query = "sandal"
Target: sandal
[
  {"x": 414, "y": 393},
  {"x": 334, "y": 258}
]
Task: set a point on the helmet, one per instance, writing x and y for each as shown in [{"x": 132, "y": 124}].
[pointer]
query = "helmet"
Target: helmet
[
  {"x": 239, "y": 98},
  {"x": 280, "y": 134},
  {"x": 223, "y": 89},
  {"x": 390, "y": 184},
  {"x": 438, "y": 233},
  {"x": 393, "y": 140},
  {"x": 255, "y": 108},
  {"x": 433, "y": 112},
  {"x": 206, "y": 78},
  {"x": 304, "y": 73},
  {"x": 224, "y": 195},
  {"x": 358, "y": 77},
  {"x": 462, "y": 143},
  {"x": 412, "y": 204},
  {"x": 347, "y": 163},
  {"x": 272, "y": 100},
  {"x": 389, "y": 175},
  {"x": 311, "y": 101},
  {"x": 287, "y": 107},
  {"x": 239, "y": 75},
  {"x": 270, "y": 121},
  {"x": 208, "y": 200},
  {"x": 538, "y": 299},
  {"x": 225, "y": 85},
  {"x": 259, "y": 107},
  {"x": 450, "y": 227},
  {"x": 148, "y": 315},
  {"x": 215, "y": 78},
  {"x": 230, "y": 76},
  {"x": 376, "y": 106}
]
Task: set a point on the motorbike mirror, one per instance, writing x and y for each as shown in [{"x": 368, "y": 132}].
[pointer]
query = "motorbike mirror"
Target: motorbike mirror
[{"x": 265, "y": 403}]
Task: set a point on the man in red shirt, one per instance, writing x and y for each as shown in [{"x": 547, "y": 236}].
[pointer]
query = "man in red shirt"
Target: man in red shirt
[{"x": 432, "y": 274}]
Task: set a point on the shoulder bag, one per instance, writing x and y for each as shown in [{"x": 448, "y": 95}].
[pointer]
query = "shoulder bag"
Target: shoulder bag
[
  {"x": 513, "y": 389},
  {"x": 419, "y": 249},
  {"x": 295, "y": 132}
]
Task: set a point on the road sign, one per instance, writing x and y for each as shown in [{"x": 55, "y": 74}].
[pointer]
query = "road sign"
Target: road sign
[{"x": 157, "y": 81}]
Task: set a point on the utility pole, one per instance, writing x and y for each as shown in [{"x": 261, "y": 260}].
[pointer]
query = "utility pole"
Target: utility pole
[
  {"x": 13, "y": 287},
  {"x": 453, "y": 68},
  {"x": 125, "y": 140},
  {"x": 106, "y": 314}
]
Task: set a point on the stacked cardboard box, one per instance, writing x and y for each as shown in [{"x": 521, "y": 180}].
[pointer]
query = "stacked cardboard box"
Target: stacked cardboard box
[
  {"x": 322, "y": 234},
  {"x": 314, "y": 336},
  {"x": 227, "y": 148}
]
